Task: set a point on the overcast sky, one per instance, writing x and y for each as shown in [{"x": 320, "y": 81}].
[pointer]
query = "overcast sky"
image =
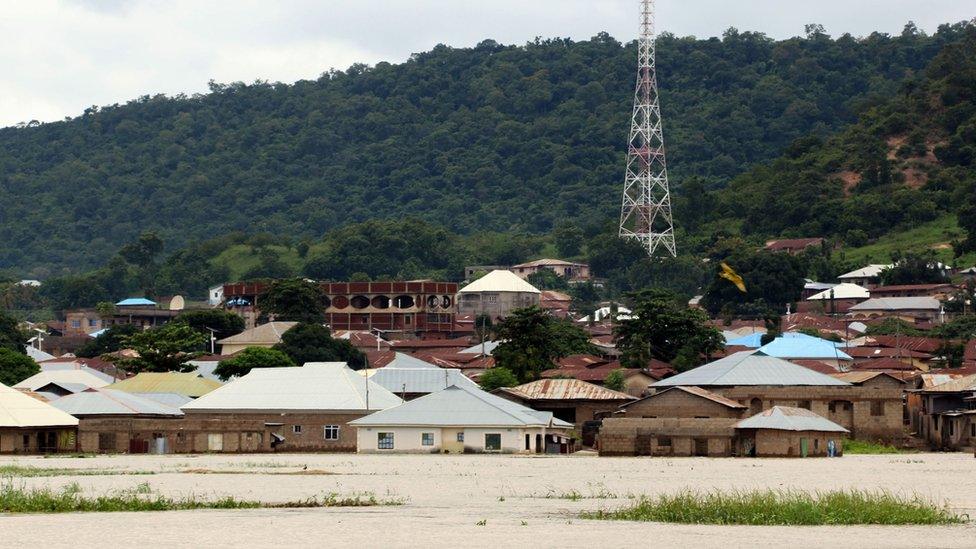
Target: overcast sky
[{"x": 61, "y": 56}]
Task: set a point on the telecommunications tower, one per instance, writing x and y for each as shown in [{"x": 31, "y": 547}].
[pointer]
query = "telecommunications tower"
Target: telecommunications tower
[{"x": 645, "y": 214}]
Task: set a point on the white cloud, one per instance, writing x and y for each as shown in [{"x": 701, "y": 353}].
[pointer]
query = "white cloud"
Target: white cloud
[{"x": 62, "y": 56}]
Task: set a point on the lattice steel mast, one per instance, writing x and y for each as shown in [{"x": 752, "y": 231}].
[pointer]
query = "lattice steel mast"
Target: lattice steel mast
[{"x": 646, "y": 210}]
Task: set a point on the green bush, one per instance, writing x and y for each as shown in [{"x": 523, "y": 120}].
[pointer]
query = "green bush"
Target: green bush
[{"x": 788, "y": 508}]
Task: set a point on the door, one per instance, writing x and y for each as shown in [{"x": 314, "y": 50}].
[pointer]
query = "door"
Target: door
[
  {"x": 803, "y": 447},
  {"x": 452, "y": 441},
  {"x": 701, "y": 446}
]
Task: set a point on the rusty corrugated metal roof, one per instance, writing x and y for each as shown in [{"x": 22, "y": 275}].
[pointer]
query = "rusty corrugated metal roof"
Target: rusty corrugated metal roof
[{"x": 565, "y": 389}]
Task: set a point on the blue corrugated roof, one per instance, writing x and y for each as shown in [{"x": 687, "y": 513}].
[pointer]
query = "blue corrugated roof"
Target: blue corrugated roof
[
  {"x": 755, "y": 340},
  {"x": 804, "y": 347},
  {"x": 136, "y": 301}
]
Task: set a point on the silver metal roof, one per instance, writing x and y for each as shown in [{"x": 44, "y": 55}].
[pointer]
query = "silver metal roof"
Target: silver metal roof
[
  {"x": 316, "y": 386},
  {"x": 489, "y": 347},
  {"x": 897, "y": 303},
  {"x": 403, "y": 360},
  {"x": 419, "y": 380},
  {"x": 784, "y": 418},
  {"x": 749, "y": 368},
  {"x": 460, "y": 407},
  {"x": 110, "y": 402}
]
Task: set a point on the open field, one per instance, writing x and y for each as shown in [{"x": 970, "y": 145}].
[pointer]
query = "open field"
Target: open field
[{"x": 475, "y": 500}]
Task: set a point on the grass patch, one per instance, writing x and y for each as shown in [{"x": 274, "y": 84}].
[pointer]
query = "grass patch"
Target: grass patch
[
  {"x": 69, "y": 499},
  {"x": 786, "y": 508},
  {"x": 928, "y": 236},
  {"x": 852, "y": 446},
  {"x": 27, "y": 472}
]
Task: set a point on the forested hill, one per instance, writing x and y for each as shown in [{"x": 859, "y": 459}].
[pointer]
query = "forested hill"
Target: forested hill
[
  {"x": 905, "y": 162},
  {"x": 491, "y": 137}
]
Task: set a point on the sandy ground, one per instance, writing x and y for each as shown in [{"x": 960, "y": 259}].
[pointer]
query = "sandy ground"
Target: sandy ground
[{"x": 445, "y": 497}]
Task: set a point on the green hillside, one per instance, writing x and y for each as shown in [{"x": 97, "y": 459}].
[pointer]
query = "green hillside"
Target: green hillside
[
  {"x": 498, "y": 138},
  {"x": 903, "y": 176}
]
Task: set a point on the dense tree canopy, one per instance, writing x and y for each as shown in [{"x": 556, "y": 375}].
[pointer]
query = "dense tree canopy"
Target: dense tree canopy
[
  {"x": 167, "y": 348},
  {"x": 295, "y": 300},
  {"x": 494, "y": 137},
  {"x": 531, "y": 342},
  {"x": 16, "y": 367},
  {"x": 314, "y": 343},
  {"x": 662, "y": 328},
  {"x": 249, "y": 358}
]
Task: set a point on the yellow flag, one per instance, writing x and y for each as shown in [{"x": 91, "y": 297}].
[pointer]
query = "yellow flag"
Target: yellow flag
[{"x": 729, "y": 274}]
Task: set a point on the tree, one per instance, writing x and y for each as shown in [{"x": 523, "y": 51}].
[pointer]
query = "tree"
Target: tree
[
  {"x": 662, "y": 328},
  {"x": 532, "y": 340},
  {"x": 497, "y": 377},
  {"x": 142, "y": 255},
  {"x": 249, "y": 358},
  {"x": 11, "y": 336},
  {"x": 111, "y": 340},
  {"x": 16, "y": 366},
  {"x": 305, "y": 343},
  {"x": 568, "y": 239},
  {"x": 223, "y": 323},
  {"x": 615, "y": 380},
  {"x": 547, "y": 279},
  {"x": 772, "y": 280},
  {"x": 294, "y": 299},
  {"x": 912, "y": 268},
  {"x": 164, "y": 349}
]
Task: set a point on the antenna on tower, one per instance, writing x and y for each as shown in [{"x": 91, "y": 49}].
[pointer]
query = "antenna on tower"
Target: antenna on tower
[{"x": 645, "y": 214}]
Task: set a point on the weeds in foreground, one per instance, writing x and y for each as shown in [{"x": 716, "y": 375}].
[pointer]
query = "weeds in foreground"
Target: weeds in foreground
[
  {"x": 866, "y": 447},
  {"x": 14, "y": 499},
  {"x": 789, "y": 508}
]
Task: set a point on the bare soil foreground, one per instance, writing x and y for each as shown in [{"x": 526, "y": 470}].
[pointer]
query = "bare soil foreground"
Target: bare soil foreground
[{"x": 500, "y": 501}]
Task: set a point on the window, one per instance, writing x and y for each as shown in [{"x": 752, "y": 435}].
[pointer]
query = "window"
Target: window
[
  {"x": 331, "y": 432},
  {"x": 805, "y": 404},
  {"x": 460, "y": 436},
  {"x": 76, "y": 324},
  {"x": 701, "y": 417},
  {"x": 816, "y": 444},
  {"x": 877, "y": 408},
  {"x": 664, "y": 441},
  {"x": 493, "y": 442},
  {"x": 297, "y": 429},
  {"x": 972, "y": 430},
  {"x": 384, "y": 441},
  {"x": 92, "y": 322},
  {"x": 426, "y": 439}
]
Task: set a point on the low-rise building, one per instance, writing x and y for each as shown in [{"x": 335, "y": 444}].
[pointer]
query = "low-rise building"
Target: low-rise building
[
  {"x": 118, "y": 422},
  {"x": 30, "y": 426},
  {"x": 306, "y": 408},
  {"x": 462, "y": 419},
  {"x": 793, "y": 246},
  {"x": 867, "y": 277},
  {"x": 570, "y": 400},
  {"x": 946, "y": 415},
  {"x": 265, "y": 335},
  {"x": 783, "y": 431},
  {"x": 909, "y": 309},
  {"x": 571, "y": 271},
  {"x": 497, "y": 294},
  {"x": 760, "y": 382}
]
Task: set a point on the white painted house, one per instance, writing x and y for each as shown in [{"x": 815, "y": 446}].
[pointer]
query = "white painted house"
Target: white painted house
[{"x": 461, "y": 419}]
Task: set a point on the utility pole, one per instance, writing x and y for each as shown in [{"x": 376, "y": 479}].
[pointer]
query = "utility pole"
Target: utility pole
[{"x": 645, "y": 213}]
